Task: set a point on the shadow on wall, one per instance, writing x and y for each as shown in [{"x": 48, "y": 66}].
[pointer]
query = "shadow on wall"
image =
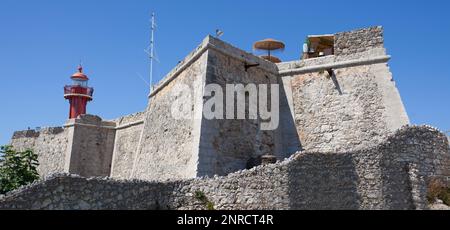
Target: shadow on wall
[
  {"x": 332, "y": 181},
  {"x": 332, "y": 74},
  {"x": 396, "y": 184},
  {"x": 290, "y": 141},
  {"x": 324, "y": 181}
]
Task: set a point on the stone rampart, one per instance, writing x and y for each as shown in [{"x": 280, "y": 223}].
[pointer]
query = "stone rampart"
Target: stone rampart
[{"x": 391, "y": 175}]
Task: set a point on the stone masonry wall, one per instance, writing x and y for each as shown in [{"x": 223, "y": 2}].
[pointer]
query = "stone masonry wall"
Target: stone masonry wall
[
  {"x": 391, "y": 175},
  {"x": 354, "y": 107},
  {"x": 169, "y": 146},
  {"x": 50, "y": 144},
  {"x": 91, "y": 146},
  {"x": 229, "y": 145},
  {"x": 128, "y": 133},
  {"x": 358, "y": 41}
]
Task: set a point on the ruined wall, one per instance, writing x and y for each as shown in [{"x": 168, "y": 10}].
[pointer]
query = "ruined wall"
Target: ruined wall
[
  {"x": 391, "y": 175},
  {"x": 91, "y": 146},
  {"x": 50, "y": 144},
  {"x": 169, "y": 146},
  {"x": 128, "y": 133},
  {"x": 65, "y": 191},
  {"x": 229, "y": 145}
]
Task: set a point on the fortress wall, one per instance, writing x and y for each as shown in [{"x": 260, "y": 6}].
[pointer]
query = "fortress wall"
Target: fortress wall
[
  {"x": 23, "y": 140},
  {"x": 91, "y": 146},
  {"x": 354, "y": 108},
  {"x": 121, "y": 122},
  {"x": 358, "y": 41},
  {"x": 423, "y": 153},
  {"x": 50, "y": 144},
  {"x": 128, "y": 132},
  {"x": 229, "y": 145},
  {"x": 392, "y": 175},
  {"x": 169, "y": 146},
  {"x": 64, "y": 191}
]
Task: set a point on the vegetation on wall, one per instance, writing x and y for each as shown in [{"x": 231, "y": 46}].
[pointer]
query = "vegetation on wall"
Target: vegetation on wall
[
  {"x": 17, "y": 168},
  {"x": 199, "y": 195}
]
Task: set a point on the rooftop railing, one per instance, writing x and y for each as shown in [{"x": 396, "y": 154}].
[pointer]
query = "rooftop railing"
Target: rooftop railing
[{"x": 76, "y": 89}]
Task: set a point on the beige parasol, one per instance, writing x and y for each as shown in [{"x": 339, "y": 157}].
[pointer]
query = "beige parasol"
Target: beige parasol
[{"x": 269, "y": 45}]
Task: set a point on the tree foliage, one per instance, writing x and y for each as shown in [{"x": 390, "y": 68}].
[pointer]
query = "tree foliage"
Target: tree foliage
[{"x": 17, "y": 168}]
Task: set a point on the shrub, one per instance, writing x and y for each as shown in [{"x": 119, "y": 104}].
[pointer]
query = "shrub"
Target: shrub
[
  {"x": 16, "y": 168},
  {"x": 437, "y": 190}
]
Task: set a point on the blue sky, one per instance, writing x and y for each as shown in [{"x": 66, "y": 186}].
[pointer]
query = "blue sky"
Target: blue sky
[{"x": 42, "y": 42}]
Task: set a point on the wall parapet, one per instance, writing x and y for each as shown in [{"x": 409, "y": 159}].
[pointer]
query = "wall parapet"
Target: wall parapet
[
  {"x": 358, "y": 40},
  {"x": 364, "y": 43},
  {"x": 89, "y": 120},
  {"x": 220, "y": 46},
  {"x": 33, "y": 133},
  {"x": 129, "y": 119}
]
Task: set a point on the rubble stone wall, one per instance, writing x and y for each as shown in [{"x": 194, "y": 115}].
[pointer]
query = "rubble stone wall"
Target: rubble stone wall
[{"x": 391, "y": 175}]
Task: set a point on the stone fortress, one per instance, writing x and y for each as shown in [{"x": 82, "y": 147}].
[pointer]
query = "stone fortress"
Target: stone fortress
[{"x": 344, "y": 140}]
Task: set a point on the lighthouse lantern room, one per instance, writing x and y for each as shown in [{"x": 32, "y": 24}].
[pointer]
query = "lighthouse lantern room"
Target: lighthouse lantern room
[{"x": 78, "y": 94}]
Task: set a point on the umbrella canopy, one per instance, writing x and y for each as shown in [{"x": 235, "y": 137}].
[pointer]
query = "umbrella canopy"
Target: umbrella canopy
[
  {"x": 271, "y": 59},
  {"x": 268, "y": 44}
]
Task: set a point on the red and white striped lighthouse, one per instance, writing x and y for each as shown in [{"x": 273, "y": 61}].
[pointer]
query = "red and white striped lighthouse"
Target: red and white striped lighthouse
[{"x": 78, "y": 94}]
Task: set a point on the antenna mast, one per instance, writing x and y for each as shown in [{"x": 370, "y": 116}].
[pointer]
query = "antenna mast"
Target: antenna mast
[{"x": 152, "y": 52}]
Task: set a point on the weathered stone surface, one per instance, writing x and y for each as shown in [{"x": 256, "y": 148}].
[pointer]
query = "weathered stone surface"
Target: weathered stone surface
[
  {"x": 50, "y": 144},
  {"x": 228, "y": 145},
  {"x": 128, "y": 133},
  {"x": 169, "y": 146},
  {"x": 91, "y": 143},
  {"x": 358, "y": 41},
  {"x": 354, "y": 108},
  {"x": 439, "y": 205},
  {"x": 392, "y": 175}
]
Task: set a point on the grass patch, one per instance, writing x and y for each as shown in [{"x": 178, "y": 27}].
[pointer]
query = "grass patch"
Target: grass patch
[{"x": 199, "y": 195}]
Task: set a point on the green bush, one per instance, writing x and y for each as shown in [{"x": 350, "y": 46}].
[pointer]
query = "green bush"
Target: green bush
[{"x": 16, "y": 168}]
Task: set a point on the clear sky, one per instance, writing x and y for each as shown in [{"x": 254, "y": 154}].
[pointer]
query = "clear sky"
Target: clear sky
[{"x": 42, "y": 42}]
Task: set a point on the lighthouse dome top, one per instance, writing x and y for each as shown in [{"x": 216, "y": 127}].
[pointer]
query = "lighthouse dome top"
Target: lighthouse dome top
[{"x": 80, "y": 75}]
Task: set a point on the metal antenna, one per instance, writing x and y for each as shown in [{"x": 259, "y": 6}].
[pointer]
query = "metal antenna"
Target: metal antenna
[
  {"x": 151, "y": 50},
  {"x": 152, "y": 55}
]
